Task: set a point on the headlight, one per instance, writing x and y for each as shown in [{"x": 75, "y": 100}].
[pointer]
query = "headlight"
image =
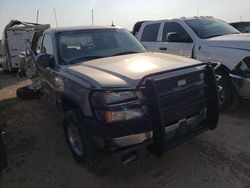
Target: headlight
[
  {"x": 114, "y": 97},
  {"x": 102, "y": 100},
  {"x": 243, "y": 68}
]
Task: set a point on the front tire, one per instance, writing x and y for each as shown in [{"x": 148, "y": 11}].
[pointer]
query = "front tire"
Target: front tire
[
  {"x": 228, "y": 98},
  {"x": 78, "y": 141}
]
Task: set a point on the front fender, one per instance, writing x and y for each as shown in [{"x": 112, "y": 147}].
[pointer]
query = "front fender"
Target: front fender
[
  {"x": 77, "y": 94},
  {"x": 229, "y": 57}
]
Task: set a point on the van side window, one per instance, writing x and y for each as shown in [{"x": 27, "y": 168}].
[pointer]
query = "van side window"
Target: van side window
[
  {"x": 150, "y": 32},
  {"x": 47, "y": 45},
  {"x": 173, "y": 27}
]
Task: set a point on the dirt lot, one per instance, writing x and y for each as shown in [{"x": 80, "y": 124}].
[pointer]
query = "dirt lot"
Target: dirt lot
[{"x": 39, "y": 157}]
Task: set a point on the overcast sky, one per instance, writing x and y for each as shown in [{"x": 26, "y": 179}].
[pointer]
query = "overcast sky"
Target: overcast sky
[{"x": 123, "y": 12}]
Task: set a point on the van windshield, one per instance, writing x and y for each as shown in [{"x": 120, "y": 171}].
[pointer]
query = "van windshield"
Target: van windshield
[
  {"x": 208, "y": 28},
  {"x": 83, "y": 45}
]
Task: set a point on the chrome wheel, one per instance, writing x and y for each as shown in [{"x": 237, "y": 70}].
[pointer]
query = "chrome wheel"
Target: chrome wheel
[{"x": 75, "y": 140}]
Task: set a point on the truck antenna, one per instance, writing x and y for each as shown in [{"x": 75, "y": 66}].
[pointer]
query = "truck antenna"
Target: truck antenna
[
  {"x": 198, "y": 10},
  {"x": 37, "y": 15},
  {"x": 55, "y": 16},
  {"x": 92, "y": 17}
]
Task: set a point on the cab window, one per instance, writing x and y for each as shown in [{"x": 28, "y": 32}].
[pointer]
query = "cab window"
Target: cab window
[
  {"x": 150, "y": 32},
  {"x": 174, "y": 27},
  {"x": 47, "y": 45}
]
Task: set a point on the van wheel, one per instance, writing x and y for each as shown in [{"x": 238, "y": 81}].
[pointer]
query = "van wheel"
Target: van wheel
[
  {"x": 26, "y": 93},
  {"x": 228, "y": 98},
  {"x": 78, "y": 141}
]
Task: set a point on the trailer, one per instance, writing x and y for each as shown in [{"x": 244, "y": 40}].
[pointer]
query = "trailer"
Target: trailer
[{"x": 15, "y": 36}]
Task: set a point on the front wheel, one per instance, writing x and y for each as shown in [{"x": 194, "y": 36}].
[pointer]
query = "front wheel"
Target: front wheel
[
  {"x": 77, "y": 139},
  {"x": 228, "y": 98}
]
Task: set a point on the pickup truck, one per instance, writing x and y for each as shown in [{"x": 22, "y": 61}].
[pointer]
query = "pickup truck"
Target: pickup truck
[
  {"x": 120, "y": 100},
  {"x": 243, "y": 27},
  {"x": 208, "y": 40}
]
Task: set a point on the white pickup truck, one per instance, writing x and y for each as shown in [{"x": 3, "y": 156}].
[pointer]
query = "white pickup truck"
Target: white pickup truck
[{"x": 206, "y": 39}]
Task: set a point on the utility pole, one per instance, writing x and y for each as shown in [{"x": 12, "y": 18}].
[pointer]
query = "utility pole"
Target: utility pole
[
  {"x": 241, "y": 18},
  {"x": 92, "y": 17},
  {"x": 55, "y": 16},
  {"x": 37, "y": 15}
]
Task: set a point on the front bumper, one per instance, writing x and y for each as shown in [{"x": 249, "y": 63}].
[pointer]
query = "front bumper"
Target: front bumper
[
  {"x": 139, "y": 151},
  {"x": 243, "y": 85},
  {"x": 191, "y": 124}
]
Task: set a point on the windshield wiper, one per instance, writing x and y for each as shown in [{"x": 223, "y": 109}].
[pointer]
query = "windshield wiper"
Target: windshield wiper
[
  {"x": 222, "y": 35},
  {"x": 211, "y": 36},
  {"x": 125, "y": 53},
  {"x": 86, "y": 58}
]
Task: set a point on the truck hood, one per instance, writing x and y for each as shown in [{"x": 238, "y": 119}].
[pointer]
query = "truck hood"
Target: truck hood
[
  {"x": 236, "y": 41},
  {"x": 125, "y": 70}
]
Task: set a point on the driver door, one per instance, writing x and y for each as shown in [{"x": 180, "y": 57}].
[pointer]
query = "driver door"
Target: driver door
[{"x": 47, "y": 74}]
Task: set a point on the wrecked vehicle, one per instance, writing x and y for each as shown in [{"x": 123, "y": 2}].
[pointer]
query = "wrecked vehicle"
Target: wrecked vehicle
[
  {"x": 119, "y": 99},
  {"x": 15, "y": 35},
  {"x": 206, "y": 39}
]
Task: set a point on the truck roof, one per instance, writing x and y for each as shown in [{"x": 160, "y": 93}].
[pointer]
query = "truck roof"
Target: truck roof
[
  {"x": 77, "y": 28},
  {"x": 182, "y": 18}
]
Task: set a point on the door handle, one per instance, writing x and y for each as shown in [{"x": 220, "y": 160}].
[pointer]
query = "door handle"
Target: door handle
[{"x": 163, "y": 48}]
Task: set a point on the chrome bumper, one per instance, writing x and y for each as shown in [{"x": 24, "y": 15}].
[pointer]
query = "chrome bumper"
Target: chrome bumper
[
  {"x": 243, "y": 85},
  {"x": 141, "y": 137}
]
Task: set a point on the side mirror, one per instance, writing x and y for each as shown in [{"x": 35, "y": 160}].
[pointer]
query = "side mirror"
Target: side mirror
[
  {"x": 177, "y": 37},
  {"x": 45, "y": 60}
]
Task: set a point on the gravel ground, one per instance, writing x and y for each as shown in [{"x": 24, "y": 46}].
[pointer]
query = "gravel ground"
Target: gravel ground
[{"x": 39, "y": 157}]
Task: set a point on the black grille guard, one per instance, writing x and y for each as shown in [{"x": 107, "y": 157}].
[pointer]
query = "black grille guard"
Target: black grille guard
[{"x": 156, "y": 111}]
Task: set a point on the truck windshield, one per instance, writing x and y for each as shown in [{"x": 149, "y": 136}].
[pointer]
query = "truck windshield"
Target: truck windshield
[
  {"x": 83, "y": 45},
  {"x": 208, "y": 28}
]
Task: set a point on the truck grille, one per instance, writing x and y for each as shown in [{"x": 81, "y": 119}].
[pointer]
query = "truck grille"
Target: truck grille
[
  {"x": 181, "y": 101},
  {"x": 180, "y": 96}
]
